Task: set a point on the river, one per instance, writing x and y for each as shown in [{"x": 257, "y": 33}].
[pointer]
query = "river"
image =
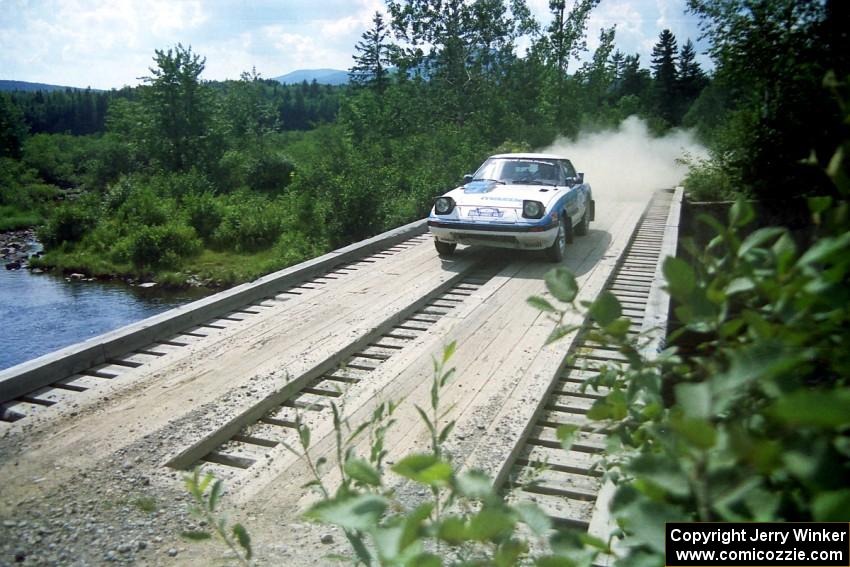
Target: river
[{"x": 40, "y": 313}]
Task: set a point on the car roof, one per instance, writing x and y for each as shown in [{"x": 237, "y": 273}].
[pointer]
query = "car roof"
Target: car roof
[{"x": 528, "y": 156}]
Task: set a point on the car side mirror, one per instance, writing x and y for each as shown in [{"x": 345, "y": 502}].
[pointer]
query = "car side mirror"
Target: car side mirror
[
  {"x": 580, "y": 177},
  {"x": 467, "y": 178}
]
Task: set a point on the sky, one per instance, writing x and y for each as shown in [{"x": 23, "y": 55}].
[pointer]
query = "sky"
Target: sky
[{"x": 107, "y": 44}]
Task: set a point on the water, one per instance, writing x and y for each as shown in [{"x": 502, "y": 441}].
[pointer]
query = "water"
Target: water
[{"x": 40, "y": 313}]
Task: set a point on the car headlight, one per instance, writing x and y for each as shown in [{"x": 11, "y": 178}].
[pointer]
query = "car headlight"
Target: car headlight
[
  {"x": 532, "y": 209},
  {"x": 444, "y": 205}
]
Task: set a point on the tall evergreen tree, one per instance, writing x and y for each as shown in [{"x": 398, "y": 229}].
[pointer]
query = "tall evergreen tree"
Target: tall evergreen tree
[
  {"x": 690, "y": 77},
  {"x": 664, "y": 59},
  {"x": 373, "y": 57}
]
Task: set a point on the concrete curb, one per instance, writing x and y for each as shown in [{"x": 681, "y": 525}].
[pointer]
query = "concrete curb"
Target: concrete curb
[{"x": 47, "y": 369}]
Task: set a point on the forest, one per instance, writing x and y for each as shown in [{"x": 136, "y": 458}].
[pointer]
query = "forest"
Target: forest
[
  {"x": 742, "y": 417},
  {"x": 225, "y": 181}
]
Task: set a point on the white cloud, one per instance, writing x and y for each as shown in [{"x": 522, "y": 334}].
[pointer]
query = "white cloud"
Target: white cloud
[{"x": 109, "y": 43}]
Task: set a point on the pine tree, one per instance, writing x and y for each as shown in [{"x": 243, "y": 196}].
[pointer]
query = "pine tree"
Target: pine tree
[
  {"x": 664, "y": 58},
  {"x": 691, "y": 77},
  {"x": 370, "y": 61}
]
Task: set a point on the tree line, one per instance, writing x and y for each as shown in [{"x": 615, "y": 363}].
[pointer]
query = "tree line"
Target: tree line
[{"x": 279, "y": 172}]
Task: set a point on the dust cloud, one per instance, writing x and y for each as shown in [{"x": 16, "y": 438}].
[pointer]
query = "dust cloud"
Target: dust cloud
[{"x": 629, "y": 163}]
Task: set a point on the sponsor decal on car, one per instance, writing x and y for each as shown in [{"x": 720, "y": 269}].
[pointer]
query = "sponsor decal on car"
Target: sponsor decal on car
[{"x": 486, "y": 212}]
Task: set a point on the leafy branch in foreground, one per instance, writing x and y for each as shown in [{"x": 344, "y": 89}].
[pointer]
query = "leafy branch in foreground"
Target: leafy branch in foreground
[
  {"x": 465, "y": 521},
  {"x": 205, "y": 504},
  {"x": 746, "y": 417}
]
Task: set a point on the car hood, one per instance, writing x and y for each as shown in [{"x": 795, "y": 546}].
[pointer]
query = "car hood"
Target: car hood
[{"x": 493, "y": 194}]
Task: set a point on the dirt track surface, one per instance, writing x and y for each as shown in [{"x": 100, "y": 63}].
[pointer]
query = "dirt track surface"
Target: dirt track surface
[{"x": 87, "y": 483}]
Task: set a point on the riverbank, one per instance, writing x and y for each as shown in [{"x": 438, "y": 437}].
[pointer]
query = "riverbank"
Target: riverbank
[
  {"x": 210, "y": 269},
  {"x": 18, "y": 247}
]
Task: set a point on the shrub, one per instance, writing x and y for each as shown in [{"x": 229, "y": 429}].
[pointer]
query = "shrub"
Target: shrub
[
  {"x": 204, "y": 213},
  {"x": 143, "y": 206},
  {"x": 250, "y": 223},
  {"x": 158, "y": 246},
  {"x": 69, "y": 222},
  {"x": 750, "y": 421},
  {"x": 260, "y": 169},
  {"x": 710, "y": 180}
]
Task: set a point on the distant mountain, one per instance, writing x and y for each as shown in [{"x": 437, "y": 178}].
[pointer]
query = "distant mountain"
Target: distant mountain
[
  {"x": 25, "y": 86},
  {"x": 322, "y": 76}
]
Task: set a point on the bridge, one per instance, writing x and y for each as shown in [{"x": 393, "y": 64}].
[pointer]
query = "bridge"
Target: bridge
[{"x": 218, "y": 383}]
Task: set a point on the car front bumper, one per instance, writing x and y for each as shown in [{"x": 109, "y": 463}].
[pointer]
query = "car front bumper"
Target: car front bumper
[{"x": 526, "y": 237}]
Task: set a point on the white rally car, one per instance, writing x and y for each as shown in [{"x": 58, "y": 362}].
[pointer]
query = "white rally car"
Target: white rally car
[{"x": 527, "y": 201}]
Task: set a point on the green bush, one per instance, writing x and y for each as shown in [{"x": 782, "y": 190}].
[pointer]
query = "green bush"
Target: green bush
[
  {"x": 158, "y": 246},
  {"x": 250, "y": 223},
  {"x": 143, "y": 206},
  {"x": 20, "y": 186},
  {"x": 70, "y": 222},
  {"x": 204, "y": 213},
  {"x": 261, "y": 169},
  {"x": 748, "y": 422},
  {"x": 710, "y": 180}
]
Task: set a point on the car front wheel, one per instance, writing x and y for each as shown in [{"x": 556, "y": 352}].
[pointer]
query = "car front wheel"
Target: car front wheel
[
  {"x": 558, "y": 250},
  {"x": 444, "y": 249}
]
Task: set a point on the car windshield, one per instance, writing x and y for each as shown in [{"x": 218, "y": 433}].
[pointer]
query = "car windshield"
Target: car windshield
[{"x": 519, "y": 171}]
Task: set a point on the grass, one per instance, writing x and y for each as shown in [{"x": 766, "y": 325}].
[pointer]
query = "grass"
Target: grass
[
  {"x": 12, "y": 218},
  {"x": 220, "y": 268},
  {"x": 145, "y": 503}
]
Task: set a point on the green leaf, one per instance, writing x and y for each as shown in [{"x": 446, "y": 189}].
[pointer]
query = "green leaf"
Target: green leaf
[
  {"x": 424, "y": 468},
  {"x": 661, "y": 472},
  {"x": 490, "y": 523},
  {"x": 532, "y": 516},
  {"x": 599, "y": 410},
  {"x": 606, "y": 309},
  {"x": 244, "y": 539},
  {"x": 759, "y": 238},
  {"x": 680, "y": 277},
  {"x": 694, "y": 399},
  {"x": 819, "y": 204},
  {"x": 304, "y": 436},
  {"x": 350, "y": 512},
  {"x": 452, "y": 529},
  {"x": 425, "y": 418},
  {"x": 784, "y": 249},
  {"x": 215, "y": 495},
  {"x": 447, "y": 430},
  {"x": 509, "y": 552},
  {"x": 562, "y": 284},
  {"x": 196, "y": 536},
  {"x": 362, "y": 471},
  {"x": 825, "y": 248},
  {"x": 741, "y": 213},
  {"x": 474, "y": 484},
  {"x": 831, "y": 506},
  {"x": 413, "y": 524},
  {"x": 541, "y": 304},
  {"x": 560, "y": 332},
  {"x": 712, "y": 222},
  {"x": 827, "y": 409},
  {"x": 618, "y": 328},
  {"x": 740, "y": 285},
  {"x": 566, "y": 434},
  {"x": 449, "y": 351},
  {"x": 208, "y": 478},
  {"x": 360, "y": 550},
  {"x": 698, "y": 432}
]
